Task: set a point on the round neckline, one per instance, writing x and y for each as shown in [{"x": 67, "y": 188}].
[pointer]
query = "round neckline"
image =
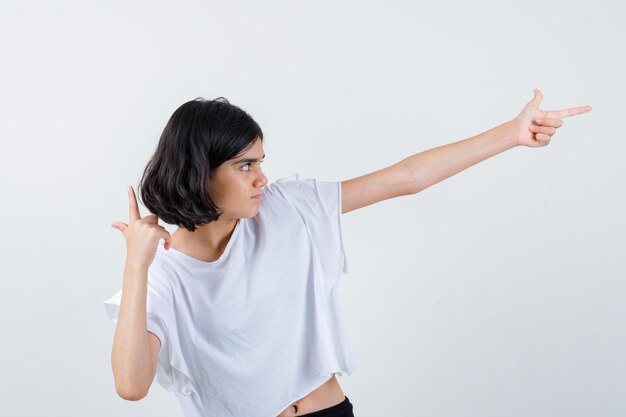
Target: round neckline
[{"x": 219, "y": 260}]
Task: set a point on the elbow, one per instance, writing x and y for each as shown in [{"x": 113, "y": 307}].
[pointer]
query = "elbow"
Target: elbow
[
  {"x": 130, "y": 394},
  {"x": 129, "y": 387},
  {"x": 408, "y": 181},
  {"x": 130, "y": 391}
]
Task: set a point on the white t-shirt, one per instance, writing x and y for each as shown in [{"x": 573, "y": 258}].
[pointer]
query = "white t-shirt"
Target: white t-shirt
[{"x": 260, "y": 327}]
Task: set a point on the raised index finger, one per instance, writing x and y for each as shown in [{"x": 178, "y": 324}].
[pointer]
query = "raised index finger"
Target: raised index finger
[
  {"x": 572, "y": 111},
  {"x": 133, "y": 206}
]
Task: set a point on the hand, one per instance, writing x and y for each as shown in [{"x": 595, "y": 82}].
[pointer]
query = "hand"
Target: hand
[
  {"x": 142, "y": 235},
  {"x": 535, "y": 127}
]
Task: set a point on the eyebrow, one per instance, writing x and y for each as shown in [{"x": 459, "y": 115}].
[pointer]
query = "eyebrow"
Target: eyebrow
[{"x": 247, "y": 160}]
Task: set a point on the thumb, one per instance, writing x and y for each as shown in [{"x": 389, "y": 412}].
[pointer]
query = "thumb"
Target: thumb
[
  {"x": 120, "y": 226},
  {"x": 538, "y": 97}
]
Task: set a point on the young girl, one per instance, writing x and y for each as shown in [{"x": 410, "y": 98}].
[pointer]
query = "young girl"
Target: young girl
[{"x": 238, "y": 312}]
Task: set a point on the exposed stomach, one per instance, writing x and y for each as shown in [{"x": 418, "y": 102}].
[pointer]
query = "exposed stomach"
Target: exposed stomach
[{"x": 324, "y": 396}]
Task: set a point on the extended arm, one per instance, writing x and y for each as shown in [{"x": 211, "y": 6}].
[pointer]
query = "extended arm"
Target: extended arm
[
  {"x": 434, "y": 165},
  {"x": 420, "y": 171},
  {"x": 532, "y": 127}
]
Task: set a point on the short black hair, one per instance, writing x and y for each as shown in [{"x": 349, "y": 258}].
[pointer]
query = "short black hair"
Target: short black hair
[{"x": 199, "y": 137}]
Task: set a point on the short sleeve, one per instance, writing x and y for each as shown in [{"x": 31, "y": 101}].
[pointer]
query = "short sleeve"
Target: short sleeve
[
  {"x": 159, "y": 319},
  {"x": 319, "y": 204}
]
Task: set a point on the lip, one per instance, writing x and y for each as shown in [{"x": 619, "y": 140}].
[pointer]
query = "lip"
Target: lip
[{"x": 258, "y": 197}]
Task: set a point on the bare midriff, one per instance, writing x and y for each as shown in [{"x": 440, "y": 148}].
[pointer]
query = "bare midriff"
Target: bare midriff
[{"x": 324, "y": 396}]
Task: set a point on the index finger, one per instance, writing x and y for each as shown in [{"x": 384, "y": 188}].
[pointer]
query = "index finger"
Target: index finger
[
  {"x": 572, "y": 111},
  {"x": 133, "y": 206}
]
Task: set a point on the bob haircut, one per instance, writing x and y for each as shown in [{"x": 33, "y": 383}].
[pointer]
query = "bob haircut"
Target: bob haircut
[{"x": 199, "y": 137}]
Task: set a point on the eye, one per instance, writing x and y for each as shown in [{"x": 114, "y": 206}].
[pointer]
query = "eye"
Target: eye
[{"x": 247, "y": 164}]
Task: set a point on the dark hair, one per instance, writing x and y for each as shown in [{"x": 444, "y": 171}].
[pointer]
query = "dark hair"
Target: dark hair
[{"x": 199, "y": 137}]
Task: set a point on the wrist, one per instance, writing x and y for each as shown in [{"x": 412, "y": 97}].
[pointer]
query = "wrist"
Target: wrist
[
  {"x": 135, "y": 267},
  {"x": 510, "y": 133}
]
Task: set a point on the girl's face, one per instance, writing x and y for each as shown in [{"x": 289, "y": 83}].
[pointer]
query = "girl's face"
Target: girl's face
[{"x": 237, "y": 181}]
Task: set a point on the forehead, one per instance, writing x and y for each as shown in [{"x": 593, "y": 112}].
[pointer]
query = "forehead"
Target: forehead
[
  {"x": 255, "y": 149},
  {"x": 253, "y": 154}
]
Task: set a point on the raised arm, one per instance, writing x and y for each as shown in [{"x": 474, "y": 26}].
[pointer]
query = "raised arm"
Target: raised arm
[{"x": 532, "y": 127}]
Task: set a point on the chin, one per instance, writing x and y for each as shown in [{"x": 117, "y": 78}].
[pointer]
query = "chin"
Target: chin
[{"x": 249, "y": 214}]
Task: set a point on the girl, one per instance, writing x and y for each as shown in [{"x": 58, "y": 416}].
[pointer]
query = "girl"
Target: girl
[{"x": 238, "y": 312}]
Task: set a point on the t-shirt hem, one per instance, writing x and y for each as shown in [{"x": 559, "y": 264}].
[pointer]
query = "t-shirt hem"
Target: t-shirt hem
[{"x": 318, "y": 383}]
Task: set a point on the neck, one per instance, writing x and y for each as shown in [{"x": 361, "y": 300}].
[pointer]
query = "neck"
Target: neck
[{"x": 210, "y": 238}]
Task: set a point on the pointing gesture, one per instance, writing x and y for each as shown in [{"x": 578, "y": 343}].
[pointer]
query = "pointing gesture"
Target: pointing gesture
[
  {"x": 535, "y": 127},
  {"x": 142, "y": 235}
]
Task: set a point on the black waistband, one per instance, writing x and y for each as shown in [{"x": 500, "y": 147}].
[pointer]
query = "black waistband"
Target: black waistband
[{"x": 343, "y": 409}]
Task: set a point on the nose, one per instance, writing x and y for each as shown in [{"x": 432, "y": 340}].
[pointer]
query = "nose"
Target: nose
[{"x": 261, "y": 180}]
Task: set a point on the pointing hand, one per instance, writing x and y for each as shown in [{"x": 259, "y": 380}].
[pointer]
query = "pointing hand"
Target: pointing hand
[
  {"x": 534, "y": 127},
  {"x": 142, "y": 235}
]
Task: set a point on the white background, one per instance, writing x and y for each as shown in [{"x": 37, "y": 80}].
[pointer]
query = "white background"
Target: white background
[{"x": 497, "y": 292}]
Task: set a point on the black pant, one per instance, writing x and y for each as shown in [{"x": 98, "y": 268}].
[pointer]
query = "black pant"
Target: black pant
[{"x": 343, "y": 409}]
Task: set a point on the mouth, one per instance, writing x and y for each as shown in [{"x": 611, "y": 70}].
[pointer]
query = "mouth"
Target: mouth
[{"x": 258, "y": 197}]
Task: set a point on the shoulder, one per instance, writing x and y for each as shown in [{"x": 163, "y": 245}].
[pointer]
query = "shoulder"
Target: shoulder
[
  {"x": 283, "y": 185},
  {"x": 310, "y": 201},
  {"x": 162, "y": 271},
  {"x": 293, "y": 188}
]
